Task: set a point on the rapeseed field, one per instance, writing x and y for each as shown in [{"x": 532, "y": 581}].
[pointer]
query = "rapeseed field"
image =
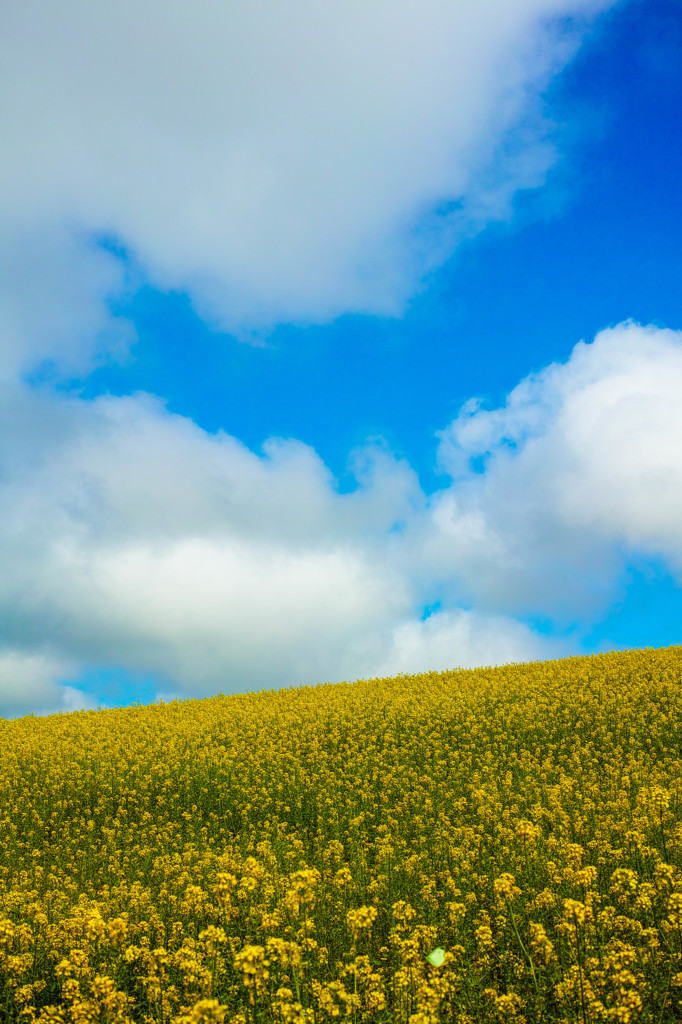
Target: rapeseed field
[{"x": 470, "y": 846}]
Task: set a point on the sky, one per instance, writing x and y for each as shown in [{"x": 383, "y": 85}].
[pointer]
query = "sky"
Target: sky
[{"x": 337, "y": 340}]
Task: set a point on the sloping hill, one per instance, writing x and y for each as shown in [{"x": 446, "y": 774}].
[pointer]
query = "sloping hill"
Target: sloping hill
[{"x": 296, "y": 855}]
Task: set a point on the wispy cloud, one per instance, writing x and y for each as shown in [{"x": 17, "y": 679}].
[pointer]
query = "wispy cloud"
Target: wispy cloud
[
  {"x": 282, "y": 163},
  {"x": 55, "y": 284}
]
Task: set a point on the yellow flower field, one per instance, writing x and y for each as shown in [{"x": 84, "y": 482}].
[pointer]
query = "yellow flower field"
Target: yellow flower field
[{"x": 470, "y": 846}]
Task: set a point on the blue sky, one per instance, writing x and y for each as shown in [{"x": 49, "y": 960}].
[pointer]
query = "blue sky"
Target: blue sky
[{"x": 388, "y": 529}]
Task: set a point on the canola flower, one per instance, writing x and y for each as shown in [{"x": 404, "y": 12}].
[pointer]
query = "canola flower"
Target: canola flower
[{"x": 470, "y": 846}]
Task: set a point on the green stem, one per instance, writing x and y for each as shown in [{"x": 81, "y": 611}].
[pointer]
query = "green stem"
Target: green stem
[
  {"x": 580, "y": 973},
  {"x": 525, "y": 952},
  {"x": 665, "y": 994}
]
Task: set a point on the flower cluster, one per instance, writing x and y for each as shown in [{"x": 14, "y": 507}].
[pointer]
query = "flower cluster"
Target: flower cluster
[{"x": 472, "y": 847}]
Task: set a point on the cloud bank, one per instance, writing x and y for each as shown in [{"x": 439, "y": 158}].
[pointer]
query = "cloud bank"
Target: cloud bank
[
  {"x": 580, "y": 469},
  {"x": 132, "y": 537},
  {"x": 282, "y": 163}
]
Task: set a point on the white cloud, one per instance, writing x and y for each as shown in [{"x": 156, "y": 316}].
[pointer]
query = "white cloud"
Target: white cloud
[
  {"x": 54, "y": 287},
  {"x": 32, "y": 683},
  {"x": 125, "y": 468},
  {"x": 282, "y": 162},
  {"x": 214, "y": 612},
  {"x": 456, "y": 638},
  {"x": 132, "y": 538},
  {"x": 581, "y": 467}
]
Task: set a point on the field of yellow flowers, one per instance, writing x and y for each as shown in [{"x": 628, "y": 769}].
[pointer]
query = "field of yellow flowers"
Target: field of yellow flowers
[{"x": 468, "y": 846}]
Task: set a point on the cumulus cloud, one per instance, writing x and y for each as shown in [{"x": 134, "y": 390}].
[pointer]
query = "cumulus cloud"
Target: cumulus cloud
[
  {"x": 124, "y": 469},
  {"x": 458, "y": 638},
  {"x": 552, "y": 492},
  {"x": 130, "y": 537},
  {"x": 282, "y": 163},
  {"x": 33, "y": 683}
]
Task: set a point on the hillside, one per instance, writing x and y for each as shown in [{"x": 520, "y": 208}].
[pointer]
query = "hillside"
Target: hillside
[{"x": 296, "y": 855}]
